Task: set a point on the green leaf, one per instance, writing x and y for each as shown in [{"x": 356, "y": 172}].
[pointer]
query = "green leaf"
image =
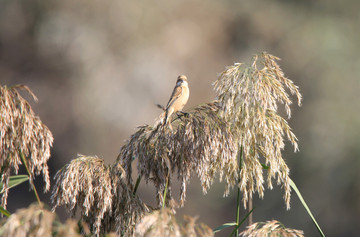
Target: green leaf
[
  {"x": 5, "y": 212},
  {"x": 266, "y": 167},
  {"x": 14, "y": 181},
  {"x": 293, "y": 186},
  {"x": 137, "y": 185},
  {"x": 242, "y": 221},
  {"x": 226, "y": 225},
  {"x": 165, "y": 191}
]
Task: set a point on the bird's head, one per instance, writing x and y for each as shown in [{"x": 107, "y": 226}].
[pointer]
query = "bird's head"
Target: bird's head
[
  {"x": 182, "y": 77},
  {"x": 181, "y": 80}
]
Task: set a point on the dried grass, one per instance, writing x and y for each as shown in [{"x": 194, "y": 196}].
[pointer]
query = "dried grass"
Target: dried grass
[
  {"x": 98, "y": 193},
  {"x": 248, "y": 96},
  {"x": 36, "y": 221},
  {"x": 22, "y": 132},
  {"x": 163, "y": 223},
  {"x": 199, "y": 143},
  {"x": 271, "y": 229}
]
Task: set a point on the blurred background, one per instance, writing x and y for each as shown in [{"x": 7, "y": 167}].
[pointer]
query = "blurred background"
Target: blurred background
[{"x": 99, "y": 67}]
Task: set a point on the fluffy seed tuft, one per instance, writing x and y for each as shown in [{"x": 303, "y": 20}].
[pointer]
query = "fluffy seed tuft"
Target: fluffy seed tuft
[
  {"x": 163, "y": 223},
  {"x": 248, "y": 97},
  {"x": 200, "y": 143},
  {"x": 22, "y": 134},
  {"x": 271, "y": 229},
  {"x": 99, "y": 193}
]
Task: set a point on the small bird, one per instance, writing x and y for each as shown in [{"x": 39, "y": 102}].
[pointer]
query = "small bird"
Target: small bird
[{"x": 178, "y": 99}]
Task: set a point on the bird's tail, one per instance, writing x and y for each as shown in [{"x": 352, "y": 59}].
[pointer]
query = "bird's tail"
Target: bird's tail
[
  {"x": 161, "y": 119},
  {"x": 166, "y": 119}
]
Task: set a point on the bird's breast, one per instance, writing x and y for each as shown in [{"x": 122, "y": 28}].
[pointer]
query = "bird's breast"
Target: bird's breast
[{"x": 186, "y": 94}]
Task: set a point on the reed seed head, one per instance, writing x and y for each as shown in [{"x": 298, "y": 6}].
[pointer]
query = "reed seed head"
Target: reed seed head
[
  {"x": 270, "y": 229},
  {"x": 37, "y": 221},
  {"x": 249, "y": 97},
  {"x": 85, "y": 184},
  {"x": 163, "y": 223},
  {"x": 200, "y": 143},
  {"x": 100, "y": 194},
  {"x": 22, "y": 134}
]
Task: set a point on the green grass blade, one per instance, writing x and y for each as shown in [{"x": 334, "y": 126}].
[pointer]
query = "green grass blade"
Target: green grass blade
[
  {"x": 293, "y": 186},
  {"x": 14, "y": 181},
  {"x": 242, "y": 221},
  {"x": 226, "y": 225},
  {"x": 137, "y": 185},
  {"x": 5, "y": 212},
  {"x": 23, "y": 159},
  {"x": 165, "y": 192}
]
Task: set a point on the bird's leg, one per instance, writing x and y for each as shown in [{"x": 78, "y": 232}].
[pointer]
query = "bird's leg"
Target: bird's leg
[{"x": 179, "y": 113}]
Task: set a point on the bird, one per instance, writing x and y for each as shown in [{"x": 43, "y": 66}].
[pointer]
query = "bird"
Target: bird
[{"x": 178, "y": 98}]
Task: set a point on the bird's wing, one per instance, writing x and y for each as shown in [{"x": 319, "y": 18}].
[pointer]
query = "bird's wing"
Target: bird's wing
[{"x": 174, "y": 96}]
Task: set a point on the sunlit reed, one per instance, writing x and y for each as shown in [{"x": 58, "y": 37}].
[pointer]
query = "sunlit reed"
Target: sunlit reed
[
  {"x": 270, "y": 229},
  {"x": 249, "y": 97},
  {"x": 22, "y": 134}
]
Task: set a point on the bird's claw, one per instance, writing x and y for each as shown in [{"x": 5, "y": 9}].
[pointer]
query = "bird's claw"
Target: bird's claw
[{"x": 179, "y": 113}]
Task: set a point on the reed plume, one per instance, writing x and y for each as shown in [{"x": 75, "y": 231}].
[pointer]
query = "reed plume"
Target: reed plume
[
  {"x": 163, "y": 223},
  {"x": 24, "y": 138},
  {"x": 200, "y": 143},
  {"x": 271, "y": 229},
  {"x": 98, "y": 192},
  {"x": 248, "y": 97},
  {"x": 37, "y": 221}
]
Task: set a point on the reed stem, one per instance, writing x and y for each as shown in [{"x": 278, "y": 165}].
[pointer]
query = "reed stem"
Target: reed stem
[
  {"x": 238, "y": 194},
  {"x": 31, "y": 181}
]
